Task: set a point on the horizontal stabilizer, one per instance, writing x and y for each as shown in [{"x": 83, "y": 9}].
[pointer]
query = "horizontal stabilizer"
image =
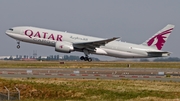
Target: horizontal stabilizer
[{"x": 158, "y": 54}]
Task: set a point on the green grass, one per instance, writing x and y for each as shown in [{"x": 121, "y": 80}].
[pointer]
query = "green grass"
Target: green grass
[
  {"x": 56, "y": 64},
  {"x": 33, "y": 89},
  {"x": 109, "y": 90}
]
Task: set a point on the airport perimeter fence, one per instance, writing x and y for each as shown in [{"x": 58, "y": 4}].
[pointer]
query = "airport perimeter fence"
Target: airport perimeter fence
[
  {"x": 3, "y": 97},
  {"x": 7, "y": 95}
]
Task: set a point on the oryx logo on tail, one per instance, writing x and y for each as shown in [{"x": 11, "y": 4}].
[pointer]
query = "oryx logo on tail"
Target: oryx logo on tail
[{"x": 158, "y": 40}]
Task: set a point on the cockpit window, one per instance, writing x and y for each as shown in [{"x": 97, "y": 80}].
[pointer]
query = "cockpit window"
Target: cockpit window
[{"x": 11, "y": 29}]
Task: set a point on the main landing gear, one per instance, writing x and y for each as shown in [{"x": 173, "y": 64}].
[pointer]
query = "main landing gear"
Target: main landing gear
[
  {"x": 18, "y": 46},
  {"x": 86, "y": 58}
]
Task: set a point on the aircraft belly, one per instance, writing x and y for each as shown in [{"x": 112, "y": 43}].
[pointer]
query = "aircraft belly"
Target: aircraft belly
[{"x": 99, "y": 51}]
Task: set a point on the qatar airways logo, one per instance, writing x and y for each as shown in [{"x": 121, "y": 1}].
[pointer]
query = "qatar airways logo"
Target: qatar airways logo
[
  {"x": 45, "y": 35},
  {"x": 61, "y": 46},
  {"x": 159, "y": 39}
]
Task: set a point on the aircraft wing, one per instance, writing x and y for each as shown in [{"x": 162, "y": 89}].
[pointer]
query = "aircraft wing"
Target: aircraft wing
[{"x": 95, "y": 44}]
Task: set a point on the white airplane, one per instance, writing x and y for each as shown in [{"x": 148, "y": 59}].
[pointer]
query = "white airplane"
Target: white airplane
[{"x": 68, "y": 42}]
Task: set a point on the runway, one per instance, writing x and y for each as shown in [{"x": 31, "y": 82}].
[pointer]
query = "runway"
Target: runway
[{"x": 161, "y": 74}]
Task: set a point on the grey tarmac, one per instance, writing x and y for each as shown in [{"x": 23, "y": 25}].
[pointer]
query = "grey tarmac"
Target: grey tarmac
[{"x": 159, "y": 74}]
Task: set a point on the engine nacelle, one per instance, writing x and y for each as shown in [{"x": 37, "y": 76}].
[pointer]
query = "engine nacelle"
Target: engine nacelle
[{"x": 64, "y": 47}]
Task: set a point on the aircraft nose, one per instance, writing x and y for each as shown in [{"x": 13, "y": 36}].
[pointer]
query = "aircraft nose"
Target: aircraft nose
[{"x": 9, "y": 31}]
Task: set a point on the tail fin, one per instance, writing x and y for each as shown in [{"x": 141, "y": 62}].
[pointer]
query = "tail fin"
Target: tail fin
[{"x": 158, "y": 40}]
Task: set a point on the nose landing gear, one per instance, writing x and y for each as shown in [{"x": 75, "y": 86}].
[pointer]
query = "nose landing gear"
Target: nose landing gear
[{"x": 18, "y": 46}]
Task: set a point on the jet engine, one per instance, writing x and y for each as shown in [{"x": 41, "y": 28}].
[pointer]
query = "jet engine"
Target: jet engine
[{"x": 64, "y": 47}]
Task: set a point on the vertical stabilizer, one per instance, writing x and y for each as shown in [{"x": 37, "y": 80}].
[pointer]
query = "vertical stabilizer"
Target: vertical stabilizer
[{"x": 158, "y": 40}]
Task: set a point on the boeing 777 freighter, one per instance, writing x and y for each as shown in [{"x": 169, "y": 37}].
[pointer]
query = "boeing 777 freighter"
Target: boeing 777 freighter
[{"x": 68, "y": 42}]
